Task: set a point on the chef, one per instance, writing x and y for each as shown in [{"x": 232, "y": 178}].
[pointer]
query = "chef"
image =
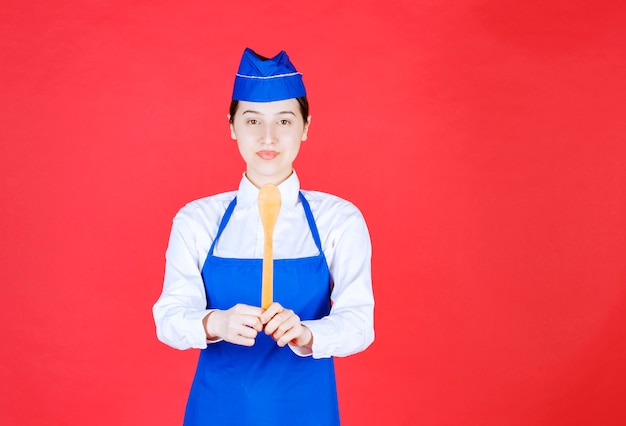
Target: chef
[{"x": 271, "y": 366}]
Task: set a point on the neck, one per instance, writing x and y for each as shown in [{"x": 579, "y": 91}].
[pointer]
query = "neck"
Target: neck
[{"x": 259, "y": 181}]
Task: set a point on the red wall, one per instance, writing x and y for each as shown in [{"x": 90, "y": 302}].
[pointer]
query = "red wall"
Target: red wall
[{"x": 484, "y": 141}]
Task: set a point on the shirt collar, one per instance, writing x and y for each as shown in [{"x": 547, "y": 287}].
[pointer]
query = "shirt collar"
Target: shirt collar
[{"x": 289, "y": 192}]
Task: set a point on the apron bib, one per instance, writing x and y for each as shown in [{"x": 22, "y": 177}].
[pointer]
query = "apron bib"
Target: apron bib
[{"x": 264, "y": 384}]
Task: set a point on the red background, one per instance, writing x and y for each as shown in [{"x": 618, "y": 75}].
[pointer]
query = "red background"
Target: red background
[{"x": 483, "y": 141}]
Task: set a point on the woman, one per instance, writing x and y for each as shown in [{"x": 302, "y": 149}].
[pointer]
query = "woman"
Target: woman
[{"x": 272, "y": 366}]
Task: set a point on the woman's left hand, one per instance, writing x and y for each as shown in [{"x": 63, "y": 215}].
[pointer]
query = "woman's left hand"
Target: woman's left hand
[{"x": 285, "y": 327}]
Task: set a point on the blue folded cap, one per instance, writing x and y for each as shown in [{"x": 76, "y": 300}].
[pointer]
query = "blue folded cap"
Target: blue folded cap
[{"x": 262, "y": 79}]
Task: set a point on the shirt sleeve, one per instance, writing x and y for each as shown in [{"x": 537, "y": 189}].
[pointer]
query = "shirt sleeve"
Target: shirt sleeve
[
  {"x": 182, "y": 305},
  {"x": 349, "y": 328}
]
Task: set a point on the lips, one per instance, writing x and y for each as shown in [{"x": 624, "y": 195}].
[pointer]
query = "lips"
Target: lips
[{"x": 267, "y": 155}]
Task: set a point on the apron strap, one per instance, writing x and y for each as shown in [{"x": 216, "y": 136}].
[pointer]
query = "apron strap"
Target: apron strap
[
  {"x": 307, "y": 211},
  {"x": 225, "y": 219},
  {"x": 311, "y": 220}
]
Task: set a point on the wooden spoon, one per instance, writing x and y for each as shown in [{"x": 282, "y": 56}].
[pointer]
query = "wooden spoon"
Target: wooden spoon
[{"x": 269, "y": 207}]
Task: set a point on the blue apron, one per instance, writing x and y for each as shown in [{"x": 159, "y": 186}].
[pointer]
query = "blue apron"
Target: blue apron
[{"x": 264, "y": 384}]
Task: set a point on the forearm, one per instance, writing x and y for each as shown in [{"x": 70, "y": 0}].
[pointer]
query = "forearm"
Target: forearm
[
  {"x": 349, "y": 327},
  {"x": 341, "y": 333},
  {"x": 182, "y": 304},
  {"x": 180, "y": 327}
]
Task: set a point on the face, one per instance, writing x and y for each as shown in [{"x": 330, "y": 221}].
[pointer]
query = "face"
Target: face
[{"x": 268, "y": 135}]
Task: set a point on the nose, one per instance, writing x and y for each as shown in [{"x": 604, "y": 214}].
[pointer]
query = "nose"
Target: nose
[{"x": 268, "y": 136}]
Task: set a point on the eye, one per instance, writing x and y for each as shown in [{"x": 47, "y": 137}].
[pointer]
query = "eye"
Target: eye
[
  {"x": 253, "y": 121},
  {"x": 284, "y": 122}
]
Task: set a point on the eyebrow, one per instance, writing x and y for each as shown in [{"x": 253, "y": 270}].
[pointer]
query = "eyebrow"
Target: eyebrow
[{"x": 250, "y": 111}]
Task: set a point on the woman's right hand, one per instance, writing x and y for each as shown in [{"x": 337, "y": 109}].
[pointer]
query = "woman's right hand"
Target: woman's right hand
[{"x": 238, "y": 325}]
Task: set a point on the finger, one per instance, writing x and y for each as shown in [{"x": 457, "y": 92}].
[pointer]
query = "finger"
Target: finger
[
  {"x": 247, "y": 310},
  {"x": 252, "y": 321},
  {"x": 291, "y": 334},
  {"x": 248, "y": 332},
  {"x": 241, "y": 335},
  {"x": 276, "y": 321},
  {"x": 287, "y": 322},
  {"x": 270, "y": 312},
  {"x": 243, "y": 341}
]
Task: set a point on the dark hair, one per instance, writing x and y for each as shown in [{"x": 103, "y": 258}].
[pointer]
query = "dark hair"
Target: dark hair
[{"x": 302, "y": 101}]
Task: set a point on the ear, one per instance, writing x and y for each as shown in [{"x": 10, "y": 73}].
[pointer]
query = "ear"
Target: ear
[
  {"x": 233, "y": 135},
  {"x": 306, "y": 128}
]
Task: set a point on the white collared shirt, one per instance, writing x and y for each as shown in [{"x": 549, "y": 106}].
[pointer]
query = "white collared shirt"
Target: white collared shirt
[{"x": 345, "y": 241}]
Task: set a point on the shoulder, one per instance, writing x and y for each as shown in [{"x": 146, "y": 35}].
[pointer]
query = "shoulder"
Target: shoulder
[
  {"x": 326, "y": 206},
  {"x": 339, "y": 222},
  {"x": 207, "y": 208}
]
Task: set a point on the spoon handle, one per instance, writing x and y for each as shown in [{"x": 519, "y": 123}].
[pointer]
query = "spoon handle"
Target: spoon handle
[{"x": 269, "y": 207}]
